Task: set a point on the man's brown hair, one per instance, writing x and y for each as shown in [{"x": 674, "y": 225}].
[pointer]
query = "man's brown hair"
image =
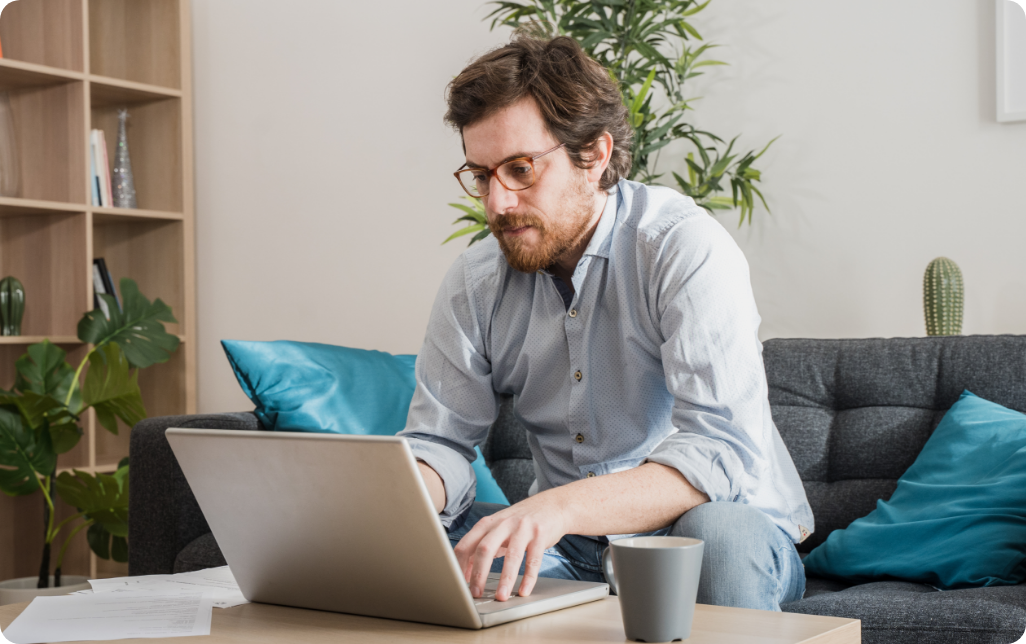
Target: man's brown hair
[{"x": 577, "y": 97}]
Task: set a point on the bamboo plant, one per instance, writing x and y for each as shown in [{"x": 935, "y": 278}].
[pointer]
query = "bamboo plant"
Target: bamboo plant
[{"x": 651, "y": 49}]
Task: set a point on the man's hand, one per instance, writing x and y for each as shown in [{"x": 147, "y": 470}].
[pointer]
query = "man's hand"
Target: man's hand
[
  {"x": 642, "y": 499},
  {"x": 524, "y": 529}
]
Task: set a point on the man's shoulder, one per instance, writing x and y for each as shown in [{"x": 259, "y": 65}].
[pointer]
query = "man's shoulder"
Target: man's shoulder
[{"x": 657, "y": 215}]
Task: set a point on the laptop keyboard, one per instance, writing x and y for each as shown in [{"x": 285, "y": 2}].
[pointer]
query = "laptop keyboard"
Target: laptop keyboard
[{"x": 488, "y": 595}]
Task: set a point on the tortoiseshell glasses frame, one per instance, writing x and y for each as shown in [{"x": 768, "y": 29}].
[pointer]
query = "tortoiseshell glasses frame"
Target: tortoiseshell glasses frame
[{"x": 514, "y": 175}]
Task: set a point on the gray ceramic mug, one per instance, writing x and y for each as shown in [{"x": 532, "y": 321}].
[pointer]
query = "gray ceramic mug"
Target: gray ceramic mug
[{"x": 657, "y": 581}]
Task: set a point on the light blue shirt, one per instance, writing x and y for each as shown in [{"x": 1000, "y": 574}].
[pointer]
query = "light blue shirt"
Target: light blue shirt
[{"x": 657, "y": 359}]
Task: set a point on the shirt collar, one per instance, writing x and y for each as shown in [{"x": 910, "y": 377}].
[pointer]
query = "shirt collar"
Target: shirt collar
[{"x": 603, "y": 237}]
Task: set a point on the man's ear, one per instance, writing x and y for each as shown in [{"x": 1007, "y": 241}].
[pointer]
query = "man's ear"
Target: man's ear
[{"x": 599, "y": 155}]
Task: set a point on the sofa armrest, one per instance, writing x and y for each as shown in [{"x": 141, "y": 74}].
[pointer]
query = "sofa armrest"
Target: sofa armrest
[{"x": 163, "y": 515}]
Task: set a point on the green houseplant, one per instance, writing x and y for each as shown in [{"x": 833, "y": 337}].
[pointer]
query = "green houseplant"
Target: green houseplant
[
  {"x": 40, "y": 417},
  {"x": 651, "y": 49}
]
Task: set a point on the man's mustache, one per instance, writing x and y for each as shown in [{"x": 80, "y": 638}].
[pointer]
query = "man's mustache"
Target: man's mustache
[{"x": 512, "y": 221}]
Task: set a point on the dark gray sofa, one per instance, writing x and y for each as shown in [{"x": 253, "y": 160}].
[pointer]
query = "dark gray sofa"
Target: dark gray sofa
[{"x": 853, "y": 413}]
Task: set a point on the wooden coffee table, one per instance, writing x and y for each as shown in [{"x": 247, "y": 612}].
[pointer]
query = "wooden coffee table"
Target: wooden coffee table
[{"x": 595, "y": 622}]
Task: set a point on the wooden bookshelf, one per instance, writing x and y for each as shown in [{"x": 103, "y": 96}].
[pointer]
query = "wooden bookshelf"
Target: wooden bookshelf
[{"x": 68, "y": 66}]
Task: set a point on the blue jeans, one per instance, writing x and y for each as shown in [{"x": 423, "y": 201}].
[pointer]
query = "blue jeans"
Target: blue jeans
[{"x": 748, "y": 562}]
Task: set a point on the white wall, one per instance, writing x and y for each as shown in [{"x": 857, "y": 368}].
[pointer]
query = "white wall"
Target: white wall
[{"x": 323, "y": 167}]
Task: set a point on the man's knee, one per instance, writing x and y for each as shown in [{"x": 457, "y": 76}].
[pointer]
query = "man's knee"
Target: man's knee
[
  {"x": 721, "y": 523},
  {"x": 738, "y": 561}
]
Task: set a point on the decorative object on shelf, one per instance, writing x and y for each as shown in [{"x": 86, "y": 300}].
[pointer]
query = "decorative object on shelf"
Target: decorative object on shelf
[
  {"x": 124, "y": 183},
  {"x": 103, "y": 285},
  {"x": 39, "y": 419},
  {"x": 103, "y": 193},
  {"x": 652, "y": 50},
  {"x": 12, "y": 305},
  {"x": 943, "y": 297},
  {"x": 10, "y": 169}
]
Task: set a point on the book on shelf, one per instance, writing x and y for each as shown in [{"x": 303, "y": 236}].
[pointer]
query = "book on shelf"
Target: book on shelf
[
  {"x": 103, "y": 284},
  {"x": 103, "y": 193}
]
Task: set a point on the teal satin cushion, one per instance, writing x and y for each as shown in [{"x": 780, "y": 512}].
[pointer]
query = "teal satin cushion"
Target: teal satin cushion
[
  {"x": 310, "y": 387},
  {"x": 958, "y": 516}
]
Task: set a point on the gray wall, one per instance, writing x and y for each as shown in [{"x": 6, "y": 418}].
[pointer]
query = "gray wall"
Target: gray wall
[{"x": 323, "y": 167}]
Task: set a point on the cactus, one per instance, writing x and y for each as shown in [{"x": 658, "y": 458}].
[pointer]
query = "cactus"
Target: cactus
[
  {"x": 943, "y": 297},
  {"x": 12, "y": 305}
]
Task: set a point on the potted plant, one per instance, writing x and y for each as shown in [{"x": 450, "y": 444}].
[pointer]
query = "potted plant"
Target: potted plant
[
  {"x": 40, "y": 417},
  {"x": 649, "y": 47}
]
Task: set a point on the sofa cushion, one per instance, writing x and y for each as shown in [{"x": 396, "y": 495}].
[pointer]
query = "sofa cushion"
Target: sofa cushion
[
  {"x": 201, "y": 554},
  {"x": 854, "y": 414},
  {"x": 897, "y": 612},
  {"x": 815, "y": 586},
  {"x": 313, "y": 387},
  {"x": 958, "y": 516}
]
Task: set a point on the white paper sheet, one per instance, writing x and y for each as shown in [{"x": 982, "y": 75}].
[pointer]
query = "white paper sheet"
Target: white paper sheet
[
  {"x": 219, "y": 583},
  {"x": 111, "y": 616}
]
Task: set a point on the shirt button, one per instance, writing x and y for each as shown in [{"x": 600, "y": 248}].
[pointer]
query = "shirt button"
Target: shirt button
[
  {"x": 573, "y": 313},
  {"x": 591, "y": 475},
  {"x": 579, "y": 438},
  {"x": 578, "y": 375}
]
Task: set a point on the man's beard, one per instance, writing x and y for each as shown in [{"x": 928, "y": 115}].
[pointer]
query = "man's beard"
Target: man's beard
[{"x": 563, "y": 233}]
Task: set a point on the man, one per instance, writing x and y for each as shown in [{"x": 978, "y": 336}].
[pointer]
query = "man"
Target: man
[{"x": 621, "y": 317}]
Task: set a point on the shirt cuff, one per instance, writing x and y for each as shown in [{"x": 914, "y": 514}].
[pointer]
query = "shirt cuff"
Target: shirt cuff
[
  {"x": 455, "y": 471},
  {"x": 707, "y": 464}
]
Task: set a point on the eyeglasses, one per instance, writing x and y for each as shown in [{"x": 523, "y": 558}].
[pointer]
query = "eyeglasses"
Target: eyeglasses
[{"x": 515, "y": 174}]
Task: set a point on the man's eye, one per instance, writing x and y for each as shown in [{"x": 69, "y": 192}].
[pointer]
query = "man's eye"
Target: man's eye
[{"x": 480, "y": 176}]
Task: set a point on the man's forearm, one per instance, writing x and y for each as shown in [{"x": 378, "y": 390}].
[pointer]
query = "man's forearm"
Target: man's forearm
[
  {"x": 642, "y": 499},
  {"x": 436, "y": 489}
]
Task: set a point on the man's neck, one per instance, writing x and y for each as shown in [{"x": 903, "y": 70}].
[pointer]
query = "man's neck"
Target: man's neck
[{"x": 566, "y": 263}]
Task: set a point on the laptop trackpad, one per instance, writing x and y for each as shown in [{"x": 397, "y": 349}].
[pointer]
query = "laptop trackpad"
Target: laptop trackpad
[{"x": 545, "y": 588}]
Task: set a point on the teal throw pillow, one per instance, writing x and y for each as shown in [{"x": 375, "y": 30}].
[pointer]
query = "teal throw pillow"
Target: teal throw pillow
[
  {"x": 958, "y": 516},
  {"x": 310, "y": 387}
]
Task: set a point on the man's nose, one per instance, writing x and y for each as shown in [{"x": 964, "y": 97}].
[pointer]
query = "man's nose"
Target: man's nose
[{"x": 499, "y": 198}]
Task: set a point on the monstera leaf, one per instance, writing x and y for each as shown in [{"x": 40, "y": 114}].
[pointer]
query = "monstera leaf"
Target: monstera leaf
[
  {"x": 103, "y": 497},
  {"x": 24, "y": 455},
  {"x": 46, "y": 413},
  {"x": 107, "y": 546},
  {"x": 112, "y": 389},
  {"x": 43, "y": 370},
  {"x": 137, "y": 328},
  {"x": 42, "y": 381}
]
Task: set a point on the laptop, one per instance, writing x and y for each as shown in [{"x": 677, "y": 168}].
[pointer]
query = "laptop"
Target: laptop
[{"x": 344, "y": 524}]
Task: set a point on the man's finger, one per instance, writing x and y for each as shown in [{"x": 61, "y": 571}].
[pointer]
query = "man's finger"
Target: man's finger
[
  {"x": 511, "y": 565},
  {"x": 464, "y": 550},
  {"x": 484, "y": 554},
  {"x": 535, "y": 553}
]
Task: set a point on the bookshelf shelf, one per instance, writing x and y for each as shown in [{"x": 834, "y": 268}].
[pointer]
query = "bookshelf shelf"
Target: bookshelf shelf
[
  {"x": 19, "y": 340},
  {"x": 15, "y": 74},
  {"x": 112, "y": 91},
  {"x": 69, "y": 66},
  {"x": 15, "y": 207},
  {"x": 121, "y": 215}
]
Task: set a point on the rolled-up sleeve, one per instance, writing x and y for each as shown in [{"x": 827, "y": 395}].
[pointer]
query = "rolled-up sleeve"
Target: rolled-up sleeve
[
  {"x": 712, "y": 359},
  {"x": 454, "y": 402}
]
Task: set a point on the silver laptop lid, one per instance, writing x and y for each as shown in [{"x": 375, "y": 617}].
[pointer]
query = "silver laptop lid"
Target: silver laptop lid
[{"x": 289, "y": 510}]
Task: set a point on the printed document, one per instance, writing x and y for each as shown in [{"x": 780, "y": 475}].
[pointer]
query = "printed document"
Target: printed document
[
  {"x": 219, "y": 583},
  {"x": 113, "y": 615}
]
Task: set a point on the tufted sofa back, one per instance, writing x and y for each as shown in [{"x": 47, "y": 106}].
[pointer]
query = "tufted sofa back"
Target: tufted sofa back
[{"x": 854, "y": 414}]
